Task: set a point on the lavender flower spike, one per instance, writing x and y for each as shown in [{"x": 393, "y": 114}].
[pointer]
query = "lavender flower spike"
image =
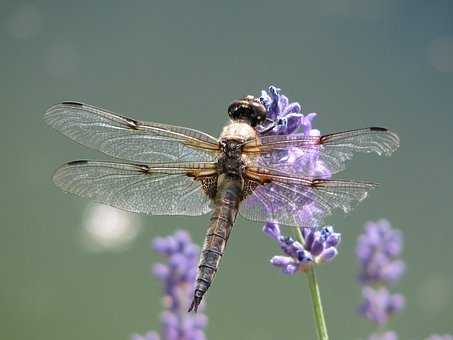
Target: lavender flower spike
[
  {"x": 287, "y": 119},
  {"x": 320, "y": 247},
  {"x": 377, "y": 250},
  {"x": 321, "y": 243},
  {"x": 178, "y": 278},
  {"x": 379, "y": 305},
  {"x": 288, "y": 116}
]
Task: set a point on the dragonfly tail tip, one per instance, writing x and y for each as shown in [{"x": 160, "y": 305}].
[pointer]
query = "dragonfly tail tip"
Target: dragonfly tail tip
[{"x": 194, "y": 305}]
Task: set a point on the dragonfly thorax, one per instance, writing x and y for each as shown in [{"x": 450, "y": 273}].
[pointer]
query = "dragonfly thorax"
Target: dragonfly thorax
[
  {"x": 239, "y": 131},
  {"x": 230, "y": 161}
]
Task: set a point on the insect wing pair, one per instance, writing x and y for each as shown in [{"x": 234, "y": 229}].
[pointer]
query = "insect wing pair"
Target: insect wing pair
[{"x": 172, "y": 170}]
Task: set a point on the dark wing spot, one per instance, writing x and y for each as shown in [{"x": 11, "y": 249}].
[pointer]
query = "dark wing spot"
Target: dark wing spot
[
  {"x": 317, "y": 183},
  {"x": 144, "y": 168},
  {"x": 79, "y": 162},
  {"x": 132, "y": 123},
  {"x": 323, "y": 139},
  {"x": 73, "y": 103},
  {"x": 377, "y": 128}
]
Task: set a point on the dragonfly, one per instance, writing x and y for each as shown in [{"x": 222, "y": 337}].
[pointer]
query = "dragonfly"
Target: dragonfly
[{"x": 164, "y": 169}]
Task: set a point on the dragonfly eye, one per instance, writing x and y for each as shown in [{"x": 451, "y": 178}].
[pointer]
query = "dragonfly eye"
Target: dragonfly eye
[{"x": 248, "y": 108}]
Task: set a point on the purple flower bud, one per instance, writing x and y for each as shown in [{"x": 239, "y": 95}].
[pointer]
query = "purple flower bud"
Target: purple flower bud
[
  {"x": 281, "y": 261},
  {"x": 394, "y": 244},
  {"x": 286, "y": 240},
  {"x": 317, "y": 246},
  {"x": 294, "y": 248},
  {"x": 290, "y": 269},
  {"x": 293, "y": 108},
  {"x": 287, "y": 264},
  {"x": 393, "y": 271},
  {"x": 396, "y": 304},
  {"x": 191, "y": 251},
  {"x": 378, "y": 305},
  {"x": 309, "y": 237},
  {"x": 160, "y": 271},
  {"x": 307, "y": 122},
  {"x": 327, "y": 255},
  {"x": 283, "y": 103},
  {"x": 293, "y": 122},
  {"x": 272, "y": 229},
  {"x": 325, "y": 232},
  {"x": 333, "y": 240},
  {"x": 164, "y": 245},
  {"x": 178, "y": 262},
  {"x": 182, "y": 237},
  {"x": 304, "y": 256}
]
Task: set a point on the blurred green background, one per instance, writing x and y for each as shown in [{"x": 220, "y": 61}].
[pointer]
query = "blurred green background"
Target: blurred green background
[{"x": 356, "y": 62}]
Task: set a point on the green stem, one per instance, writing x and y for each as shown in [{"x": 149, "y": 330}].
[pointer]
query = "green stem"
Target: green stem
[{"x": 318, "y": 312}]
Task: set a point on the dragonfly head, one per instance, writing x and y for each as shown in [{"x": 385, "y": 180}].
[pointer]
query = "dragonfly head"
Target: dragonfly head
[{"x": 249, "y": 109}]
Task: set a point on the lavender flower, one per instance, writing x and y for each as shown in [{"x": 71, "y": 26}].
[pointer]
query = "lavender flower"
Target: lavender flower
[
  {"x": 178, "y": 278},
  {"x": 377, "y": 249},
  {"x": 289, "y": 119},
  {"x": 320, "y": 247},
  {"x": 321, "y": 243},
  {"x": 287, "y": 116},
  {"x": 379, "y": 305}
]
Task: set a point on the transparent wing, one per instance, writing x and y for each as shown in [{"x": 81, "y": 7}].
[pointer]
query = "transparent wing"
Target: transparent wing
[
  {"x": 298, "y": 201},
  {"x": 159, "y": 189},
  {"x": 130, "y": 139},
  {"x": 332, "y": 149}
]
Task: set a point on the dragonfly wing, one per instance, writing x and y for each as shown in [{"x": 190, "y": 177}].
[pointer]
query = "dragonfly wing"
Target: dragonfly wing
[
  {"x": 126, "y": 138},
  {"x": 159, "y": 189},
  {"x": 298, "y": 201},
  {"x": 333, "y": 150}
]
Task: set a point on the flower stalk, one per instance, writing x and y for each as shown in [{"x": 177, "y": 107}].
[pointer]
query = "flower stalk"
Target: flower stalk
[
  {"x": 312, "y": 246},
  {"x": 318, "y": 311}
]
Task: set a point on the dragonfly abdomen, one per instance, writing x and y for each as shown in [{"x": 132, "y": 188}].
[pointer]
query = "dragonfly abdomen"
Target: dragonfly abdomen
[{"x": 220, "y": 225}]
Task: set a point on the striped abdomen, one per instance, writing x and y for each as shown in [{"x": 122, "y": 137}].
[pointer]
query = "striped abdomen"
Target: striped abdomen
[{"x": 226, "y": 205}]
